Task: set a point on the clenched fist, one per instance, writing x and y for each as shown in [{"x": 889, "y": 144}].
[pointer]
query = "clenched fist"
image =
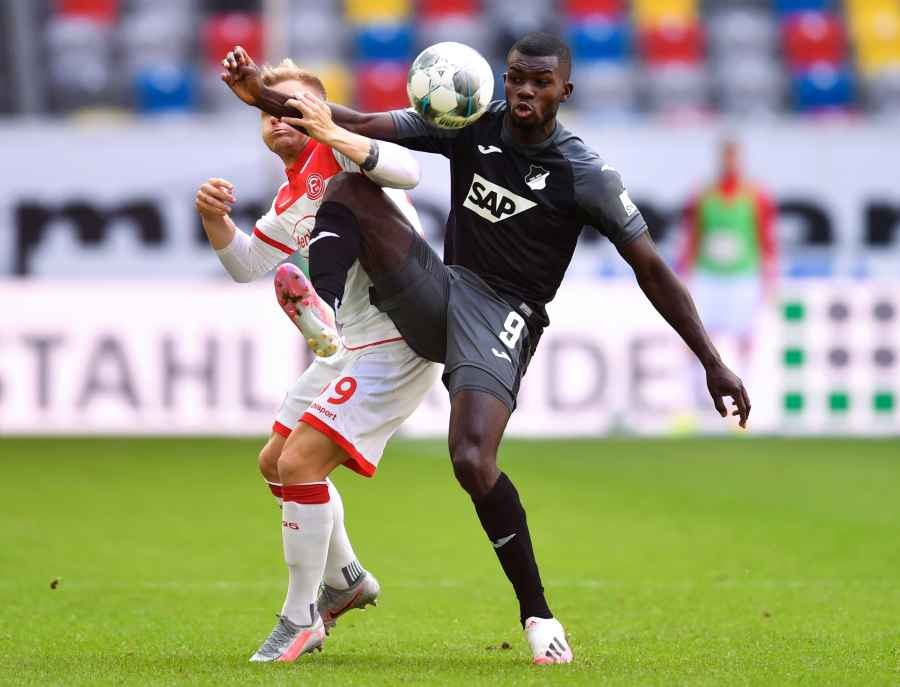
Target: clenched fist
[{"x": 215, "y": 198}]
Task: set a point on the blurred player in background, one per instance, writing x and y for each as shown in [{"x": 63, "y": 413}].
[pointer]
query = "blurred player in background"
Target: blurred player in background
[
  {"x": 730, "y": 252},
  {"x": 345, "y": 406},
  {"x": 522, "y": 188}
]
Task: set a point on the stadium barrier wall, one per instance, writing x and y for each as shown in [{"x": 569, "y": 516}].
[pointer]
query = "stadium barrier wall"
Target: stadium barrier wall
[
  {"x": 116, "y": 199},
  {"x": 144, "y": 357}
]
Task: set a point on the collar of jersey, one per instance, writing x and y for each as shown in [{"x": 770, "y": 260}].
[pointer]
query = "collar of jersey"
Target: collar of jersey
[
  {"x": 302, "y": 157},
  {"x": 527, "y": 148}
]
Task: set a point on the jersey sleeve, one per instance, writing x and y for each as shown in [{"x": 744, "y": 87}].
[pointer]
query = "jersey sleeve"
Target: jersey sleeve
[
  {"x": 271, "y": 237},
  {"x": 412, "y": 131},
  {"x": 395, "y": 167},
  {"x": 344, "y": 162},
  {"x": 603, "y": 201}
]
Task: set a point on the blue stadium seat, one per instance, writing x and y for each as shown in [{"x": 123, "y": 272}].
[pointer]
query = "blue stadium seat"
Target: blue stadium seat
[
  {"x": 791, "y": 6},
  {"x": 823, "y": 88},
  {"x": 375, "y": 42},
  {"x": 166, "y": 88},
  {"x": 600, "y": 40}
]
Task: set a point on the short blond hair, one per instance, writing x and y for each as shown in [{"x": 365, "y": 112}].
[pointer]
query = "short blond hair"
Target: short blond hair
[{"x": 288, "y": 70}]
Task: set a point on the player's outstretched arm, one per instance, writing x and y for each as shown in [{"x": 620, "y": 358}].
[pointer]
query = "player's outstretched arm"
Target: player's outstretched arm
[
  {"x": 670, "y": 297},
  {"x": 387, "y": 164},
  {"x": 244, "y": 78}
]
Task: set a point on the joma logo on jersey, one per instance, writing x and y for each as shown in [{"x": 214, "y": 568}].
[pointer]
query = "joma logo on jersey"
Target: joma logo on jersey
[{"x": 494, "y": 202}]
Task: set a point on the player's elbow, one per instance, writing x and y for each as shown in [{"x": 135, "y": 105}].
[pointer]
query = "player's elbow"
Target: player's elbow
[
  {"x": 412, "y": 176},
  {"x": 240, "y": 276}
]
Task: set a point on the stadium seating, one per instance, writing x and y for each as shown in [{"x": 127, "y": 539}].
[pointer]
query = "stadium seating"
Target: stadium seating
[
  {"x": 813, "y": 37},
  {"x": 672, "y": 42},
  {"x": 582, "y": 9},
  {"x": 317, "y": 36},
  {"x": 737, "y": 56},
  {"x": 823, "y": 88},
  {"x": 166, "y": 88},
  {"x": 655, "y": 12},
  {"x": 600, "y": 39},
  {"x": 384, "y": 42},
  {"x": 381, "y": 86},
  {"x": 786, "y": 7},
  {"x": 221, "y": 32},
  {"x": 376, "y": 11},
  {"x": 100, "y": 11}
]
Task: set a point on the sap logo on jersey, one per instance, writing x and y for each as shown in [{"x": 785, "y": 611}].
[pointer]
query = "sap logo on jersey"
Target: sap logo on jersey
[{"x": 494, "y": 202}]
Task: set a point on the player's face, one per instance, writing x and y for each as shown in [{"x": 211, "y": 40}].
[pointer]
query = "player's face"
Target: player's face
[
  {"x": 534, "y": 88},
  {"x": 730, "y": 159},
  {"x": 283, "y": 140}
]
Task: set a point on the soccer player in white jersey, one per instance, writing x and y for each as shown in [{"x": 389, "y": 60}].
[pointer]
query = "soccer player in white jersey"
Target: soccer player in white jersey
[{"x": 348, "y": 403}]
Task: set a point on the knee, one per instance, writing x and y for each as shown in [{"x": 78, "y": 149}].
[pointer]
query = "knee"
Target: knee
[
  {"x": 268, "y": 461},
  {"x": 474, "y": 465},
  {"x": 306, "y": 457}
]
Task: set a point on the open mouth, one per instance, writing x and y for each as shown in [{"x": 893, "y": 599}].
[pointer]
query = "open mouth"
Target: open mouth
[{"x": 523, "y": 110}]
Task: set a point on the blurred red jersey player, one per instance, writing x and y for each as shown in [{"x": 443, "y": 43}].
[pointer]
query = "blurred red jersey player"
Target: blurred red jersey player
[{"x": 730, "y": 251}]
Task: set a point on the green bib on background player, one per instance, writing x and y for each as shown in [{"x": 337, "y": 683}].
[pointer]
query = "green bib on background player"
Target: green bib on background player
[{"x": 728, "y": 234}]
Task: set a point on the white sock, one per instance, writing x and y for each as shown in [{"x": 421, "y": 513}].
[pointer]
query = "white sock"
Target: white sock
[
  {"x": 306, "y": 530},
  {"x": 341, "y": 568}
]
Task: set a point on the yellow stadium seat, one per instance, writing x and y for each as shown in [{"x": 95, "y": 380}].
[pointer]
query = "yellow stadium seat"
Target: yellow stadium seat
[
  {"x": 649, "y": 12},
  {"x": 876, "y": 34},
  {"x": 876, "y": 18},
  {"x": 875, "y": 27},
  {"x": 337, "y": 81},
  {"x": 373, "y": 11},
  {"x": 854, "y": 6},
  {"x": 873, "y": 59}
]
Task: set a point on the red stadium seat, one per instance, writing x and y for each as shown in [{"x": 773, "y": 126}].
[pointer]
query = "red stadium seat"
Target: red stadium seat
[
  {"x": 672, "y": 43},
  {"x": 381, "y": 86},
  {"x": 102, "y": 11},
  {"x": 588, "y": 8},
  {"x": 221, "y": 32},
  {"x": 814, "y": 37},
  {"x": 434, "y": 9}
]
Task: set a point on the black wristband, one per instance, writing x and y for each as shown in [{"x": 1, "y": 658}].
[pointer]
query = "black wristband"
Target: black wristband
[{"x": 369, "y": 163}]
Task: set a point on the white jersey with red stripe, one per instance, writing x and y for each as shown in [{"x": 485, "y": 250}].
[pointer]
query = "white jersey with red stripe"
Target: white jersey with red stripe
[{"x": 286, "y": 228}]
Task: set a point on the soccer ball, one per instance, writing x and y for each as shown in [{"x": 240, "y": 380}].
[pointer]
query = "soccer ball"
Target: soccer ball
[{"x": 450, "y": 85}]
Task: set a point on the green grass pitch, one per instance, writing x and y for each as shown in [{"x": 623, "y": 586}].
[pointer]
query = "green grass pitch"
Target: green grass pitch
[{"x": 718, "y": 562}]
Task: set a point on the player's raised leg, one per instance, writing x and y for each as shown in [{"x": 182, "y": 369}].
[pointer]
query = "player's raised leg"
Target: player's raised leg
[
  {"x": 411, "y": 282},
  {"x": 300, "y": 302},
  {"x": 477, "y": 422}
]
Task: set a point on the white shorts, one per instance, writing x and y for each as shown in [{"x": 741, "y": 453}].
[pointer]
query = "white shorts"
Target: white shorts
[
  {"x": 727, "y": 305},
  {"x": 359, "y": 398}
]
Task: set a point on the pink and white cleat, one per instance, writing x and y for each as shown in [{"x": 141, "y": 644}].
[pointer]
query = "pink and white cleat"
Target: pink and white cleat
[
  {"x": 288, "y": 641},
  {"x": 307, "y": 311},
  {"x": 547, "y": 640}
]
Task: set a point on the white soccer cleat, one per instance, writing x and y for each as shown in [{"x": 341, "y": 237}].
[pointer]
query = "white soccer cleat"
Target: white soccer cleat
[
  {"x": 307, "y": 311},
  {"x": 547, "y": 640},
  {"x": 333, "y": 603},
  {"x": 288, "y": 641}
]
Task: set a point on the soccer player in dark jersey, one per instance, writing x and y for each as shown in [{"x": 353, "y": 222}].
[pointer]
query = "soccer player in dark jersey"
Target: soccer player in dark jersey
[{"x": 522, "y": 189}]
